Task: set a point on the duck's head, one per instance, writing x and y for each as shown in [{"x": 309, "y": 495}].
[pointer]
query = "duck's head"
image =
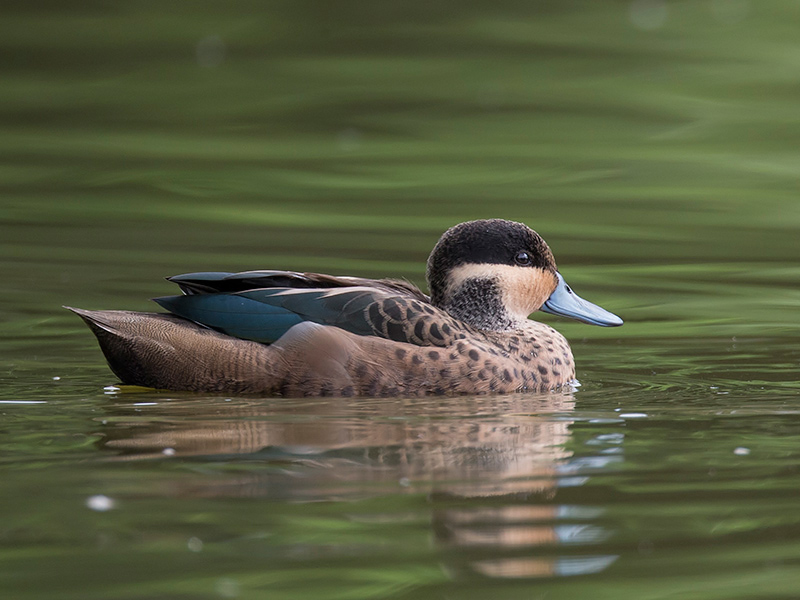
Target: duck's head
[{"x": 493, "y": 273}]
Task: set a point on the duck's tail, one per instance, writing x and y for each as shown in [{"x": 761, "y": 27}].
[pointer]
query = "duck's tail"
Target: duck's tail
[{"x": 167, "y": 352}]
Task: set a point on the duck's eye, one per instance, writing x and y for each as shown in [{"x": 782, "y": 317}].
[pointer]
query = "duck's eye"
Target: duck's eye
[{"x": 522, "y": 258}]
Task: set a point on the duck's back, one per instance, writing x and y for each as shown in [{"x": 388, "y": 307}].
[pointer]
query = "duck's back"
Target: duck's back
[{"x": 262, "y": 306}]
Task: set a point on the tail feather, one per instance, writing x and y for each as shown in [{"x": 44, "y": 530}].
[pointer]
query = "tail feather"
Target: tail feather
[{"x": 168, "y": 352}]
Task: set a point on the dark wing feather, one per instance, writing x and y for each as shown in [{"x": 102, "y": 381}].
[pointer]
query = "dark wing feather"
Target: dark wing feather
[
  {"x": 394, "y": 310},
  {"x": 214, "y": 282}
]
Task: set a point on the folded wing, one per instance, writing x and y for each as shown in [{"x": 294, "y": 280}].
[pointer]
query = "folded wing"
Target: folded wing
[{"x": 263, "y": 305}]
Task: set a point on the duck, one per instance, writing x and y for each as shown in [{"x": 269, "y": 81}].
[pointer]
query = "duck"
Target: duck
[{"x": 294, "y": 334}]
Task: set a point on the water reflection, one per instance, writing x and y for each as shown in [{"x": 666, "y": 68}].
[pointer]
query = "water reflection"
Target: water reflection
[{"x": 489, "y": 468}]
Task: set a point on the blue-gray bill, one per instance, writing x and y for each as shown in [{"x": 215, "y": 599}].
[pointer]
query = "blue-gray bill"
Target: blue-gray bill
[{"x": 566, "y": 303}]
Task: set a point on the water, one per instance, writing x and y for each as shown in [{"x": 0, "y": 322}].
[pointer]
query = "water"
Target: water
[{"x": 654, "y": 145}]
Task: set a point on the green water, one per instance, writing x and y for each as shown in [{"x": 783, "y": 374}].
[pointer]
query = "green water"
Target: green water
[{"x": 656, "y": 146}]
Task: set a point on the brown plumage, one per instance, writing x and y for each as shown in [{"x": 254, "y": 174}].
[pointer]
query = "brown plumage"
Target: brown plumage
[{"x": 349, "y": 336}]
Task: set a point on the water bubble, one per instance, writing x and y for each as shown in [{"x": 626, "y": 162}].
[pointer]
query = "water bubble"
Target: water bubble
[
  {"x": 227, "y": 587},
  {"x": 741, "y": 451},
  {"x": 349, "y": 139},
  {"x": 648, "y": 14},
  {"x": 100, "y": 503},
  {"x": 195, "y": 544},
  {"x": 210, "y": 51}
]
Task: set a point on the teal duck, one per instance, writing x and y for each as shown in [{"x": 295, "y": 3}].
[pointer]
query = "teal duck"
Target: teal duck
[{"x": 308, "y": 334}]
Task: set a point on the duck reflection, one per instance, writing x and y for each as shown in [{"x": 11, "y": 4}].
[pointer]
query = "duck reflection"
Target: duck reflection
[{"x": 490, "y": 466}]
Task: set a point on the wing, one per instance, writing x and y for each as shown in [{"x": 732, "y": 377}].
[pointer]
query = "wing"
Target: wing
[
  {"x": 213, "y": 281},
  {"x": 388, "y": 309}
]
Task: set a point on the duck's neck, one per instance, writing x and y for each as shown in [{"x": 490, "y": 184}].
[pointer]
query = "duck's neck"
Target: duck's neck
[{"x": 479, "y": 302}]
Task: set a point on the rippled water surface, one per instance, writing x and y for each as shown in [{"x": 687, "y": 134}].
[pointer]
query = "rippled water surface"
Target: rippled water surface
[{"x": 653, "y": 144}]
